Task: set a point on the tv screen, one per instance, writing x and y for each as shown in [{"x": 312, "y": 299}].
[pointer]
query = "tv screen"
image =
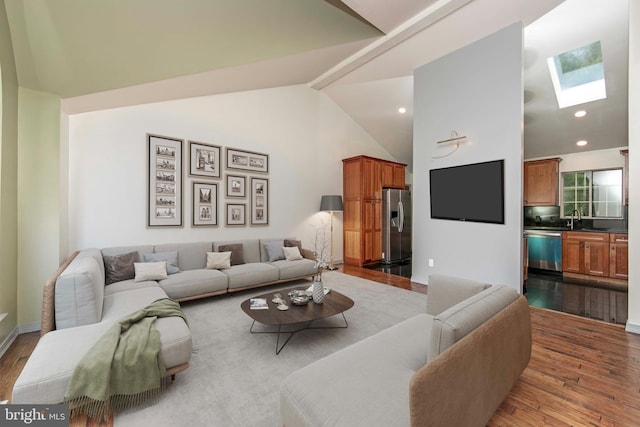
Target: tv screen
[{"x": 473, "y": 192}]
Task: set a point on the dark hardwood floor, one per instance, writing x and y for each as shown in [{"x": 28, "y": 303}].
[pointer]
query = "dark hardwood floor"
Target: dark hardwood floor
[{"x": 582, "y": 371}]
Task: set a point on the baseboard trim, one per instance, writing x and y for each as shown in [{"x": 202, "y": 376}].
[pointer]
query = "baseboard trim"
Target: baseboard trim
[
  {"x": 8, "y": 341},
  {"x": 29, "y": 327},
  {"x": 633, "y": 328}
]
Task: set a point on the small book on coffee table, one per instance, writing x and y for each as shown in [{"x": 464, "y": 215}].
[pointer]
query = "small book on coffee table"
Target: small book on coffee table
[{"x": 258, "y": 304}]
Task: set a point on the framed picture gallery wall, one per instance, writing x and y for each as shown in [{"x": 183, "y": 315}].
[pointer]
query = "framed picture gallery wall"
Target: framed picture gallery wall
[{"x": 241, "y": 194}]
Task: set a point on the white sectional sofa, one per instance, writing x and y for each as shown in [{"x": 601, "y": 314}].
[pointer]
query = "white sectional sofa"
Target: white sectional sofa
[
  {"x": 451, "y": 366},
  {"x": 79, "y": 306}
]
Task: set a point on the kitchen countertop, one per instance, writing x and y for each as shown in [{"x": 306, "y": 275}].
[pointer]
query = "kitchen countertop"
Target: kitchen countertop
[{"x": 587, "y": 229}]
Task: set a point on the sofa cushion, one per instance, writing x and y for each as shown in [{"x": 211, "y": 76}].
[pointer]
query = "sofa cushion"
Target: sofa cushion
[
  {"x": 120, "y": 304},
  {"x": 170, "y": 257},
  {"x": 322, "y": 393},
  {"x": 191, "y": 256},
  {"x": 237, "y": 253},
  {"x": 120, "y": 267},
  {"x": 456, "y": 322},
  {"x": 250, "y": 248},
  {"x": 79, "y": 294},
  {"x": 292, "y": 253},
  {"x": 264, "y": 255},
  {"x": 298, "y": 268},
  {"x": 127, "y": 285},
  {"x": 274, "y": 250},
  {"x": 191, "y": 283},
  {"x": 289, "y": 243},
  {"x": 251, "y": 274},
  {"x": 146, "y": 271},
  {"x": 218, "y": 260},
  {"x": 446, "y": 291},
  {"x": 119, "y": 250}
]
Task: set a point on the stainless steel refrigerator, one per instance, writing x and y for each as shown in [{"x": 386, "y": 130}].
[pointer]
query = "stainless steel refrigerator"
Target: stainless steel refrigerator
[{"x": 396, "y": 225}]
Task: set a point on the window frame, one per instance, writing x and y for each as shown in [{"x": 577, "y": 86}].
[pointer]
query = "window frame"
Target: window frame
[{"x": 590, "y": 192}]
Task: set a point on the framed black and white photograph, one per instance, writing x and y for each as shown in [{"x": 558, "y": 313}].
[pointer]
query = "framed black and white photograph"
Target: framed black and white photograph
[
  {"x": 205, "y": 204},
  {"x": 204, "y": 160},
  {"x": 164, "y": 181},
  {"x": 236, "y": 186},
  {"x": 259, "y": 201},
  {"x": 247, "y": 160},
  {"x": 236, "y": 214}
]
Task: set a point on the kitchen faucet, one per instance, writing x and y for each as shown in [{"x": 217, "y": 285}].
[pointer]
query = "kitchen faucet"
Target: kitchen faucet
[{"x": 579, "y": 217}]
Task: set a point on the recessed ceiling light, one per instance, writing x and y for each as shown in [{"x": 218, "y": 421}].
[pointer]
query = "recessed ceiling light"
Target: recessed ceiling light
[
  {"x": 581, "y": 143},
  {"x": 580, "y": 113},
  {"x": 402, "y": 110}
]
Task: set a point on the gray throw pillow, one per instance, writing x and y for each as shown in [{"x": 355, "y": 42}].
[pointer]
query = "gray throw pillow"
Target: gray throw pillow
[
  {"x": 170, "y": 257},
  {"x": 274, "y": 250},
  {"x": 237, "y": 252},
  {"x": 119, "y": 267}
]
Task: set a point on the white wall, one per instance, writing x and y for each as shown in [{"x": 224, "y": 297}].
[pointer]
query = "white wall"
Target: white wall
[
  {"x": 477, "y": 91},
  {"x": 633, "y": 324},
  {"x": 304, "y": 133}
]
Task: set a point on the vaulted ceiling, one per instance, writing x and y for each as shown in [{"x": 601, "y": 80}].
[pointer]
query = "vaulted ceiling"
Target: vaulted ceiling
[{"x": 107, "y": 53}]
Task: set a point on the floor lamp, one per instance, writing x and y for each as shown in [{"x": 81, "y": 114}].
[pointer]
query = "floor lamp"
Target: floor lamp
[{"x": 331, "y": 204}]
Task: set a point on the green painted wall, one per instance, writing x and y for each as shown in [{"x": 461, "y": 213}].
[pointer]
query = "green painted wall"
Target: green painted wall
[
  {"x": 38, "y": 199},
  {"x": 8, "y": 181}
]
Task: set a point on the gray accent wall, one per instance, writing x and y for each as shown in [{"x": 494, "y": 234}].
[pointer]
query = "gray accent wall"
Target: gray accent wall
[{"x": 478, "y": 92}]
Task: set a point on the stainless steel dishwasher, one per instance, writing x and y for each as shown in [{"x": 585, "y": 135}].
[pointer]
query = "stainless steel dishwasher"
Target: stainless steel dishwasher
[{"x": 545, "y": 249}]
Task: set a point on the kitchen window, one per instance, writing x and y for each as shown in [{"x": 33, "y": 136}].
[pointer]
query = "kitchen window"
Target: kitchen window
[{"x": 595, "y": 194}]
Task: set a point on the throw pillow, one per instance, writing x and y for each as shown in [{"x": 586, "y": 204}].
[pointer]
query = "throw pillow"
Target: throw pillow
[
  {"x": 119, "y": 267},
  {"x": 150, "y": 271},
  {"x": 292, "y": 253},
  {"x": 170, "y": 257},
  {"x": 274, "y": 250},
  {"x": 218, "y": 260},
  {"x": 291, "y": 243},
  {"x": 237, "y": 252}
]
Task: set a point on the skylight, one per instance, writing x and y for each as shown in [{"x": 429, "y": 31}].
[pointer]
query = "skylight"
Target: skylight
[{"x": 578, "y": 75}]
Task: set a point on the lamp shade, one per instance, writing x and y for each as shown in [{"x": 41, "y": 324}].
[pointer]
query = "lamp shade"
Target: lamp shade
[{"x": 331, "y": 203}]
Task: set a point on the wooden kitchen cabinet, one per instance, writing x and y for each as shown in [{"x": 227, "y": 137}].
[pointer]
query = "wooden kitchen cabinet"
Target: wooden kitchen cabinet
[
  {"x": 585, "y": 253},
  {"x": 619, "y": 256},
  {"x": 363, "y": 180},
  {"x": 541, "y": 182},
  {"x": 393, "y": 175}
]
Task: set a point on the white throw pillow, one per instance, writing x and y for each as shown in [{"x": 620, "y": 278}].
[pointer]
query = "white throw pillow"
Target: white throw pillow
[
  {"x": 150, "y": 271},
  {"x": 218, "y": 260},
  {"x": 292, "y": 253}
]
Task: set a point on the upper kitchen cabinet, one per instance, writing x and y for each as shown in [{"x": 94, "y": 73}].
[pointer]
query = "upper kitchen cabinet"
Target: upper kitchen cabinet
[
  {"x": 393, "y": 175},
  {"x": 541, "y": 182}
]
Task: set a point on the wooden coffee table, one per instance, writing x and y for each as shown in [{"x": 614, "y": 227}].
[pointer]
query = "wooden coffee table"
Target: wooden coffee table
[{"x": 302, "y": 315}]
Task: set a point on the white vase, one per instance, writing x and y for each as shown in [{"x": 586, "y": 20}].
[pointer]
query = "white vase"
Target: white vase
[{"x": 318, "y": 290}]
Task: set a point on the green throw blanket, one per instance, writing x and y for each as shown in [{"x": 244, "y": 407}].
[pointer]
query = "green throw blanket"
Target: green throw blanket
[{"x": 123, "y": 367}]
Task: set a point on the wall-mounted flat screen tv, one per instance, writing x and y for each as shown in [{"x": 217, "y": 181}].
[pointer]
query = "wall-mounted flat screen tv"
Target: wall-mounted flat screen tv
[{"x": 473, "y": 192}]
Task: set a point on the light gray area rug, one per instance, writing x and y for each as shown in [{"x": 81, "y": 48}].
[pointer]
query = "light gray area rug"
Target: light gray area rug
[{"x": 234, "y": 376}]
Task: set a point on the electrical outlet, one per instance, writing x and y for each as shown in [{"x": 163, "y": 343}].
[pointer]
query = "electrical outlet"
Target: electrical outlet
[{"x": 430, "y": 262}]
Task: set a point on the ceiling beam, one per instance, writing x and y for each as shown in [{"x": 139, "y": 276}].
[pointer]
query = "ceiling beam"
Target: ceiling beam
[{"x": 424, "y": 19}]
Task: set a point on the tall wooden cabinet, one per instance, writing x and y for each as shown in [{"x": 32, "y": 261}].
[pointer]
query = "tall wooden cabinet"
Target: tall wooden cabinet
[
  {"x": 364, "y": 177},
  {"x": 541, "y": 182}
]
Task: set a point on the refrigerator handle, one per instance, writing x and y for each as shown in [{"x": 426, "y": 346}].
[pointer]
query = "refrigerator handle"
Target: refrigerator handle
[{"x": 401, "y": 215}]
